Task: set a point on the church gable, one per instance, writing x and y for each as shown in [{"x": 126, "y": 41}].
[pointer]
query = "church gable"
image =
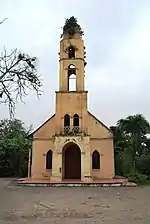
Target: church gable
[
  {"x": 97, "y": 129},
  {"x": 46, "y": 130}
]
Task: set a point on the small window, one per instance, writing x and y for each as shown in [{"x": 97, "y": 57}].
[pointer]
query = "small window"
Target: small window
[
  {"x": 49, "y": 160},
  {"x": 66, "y": 120},
  {"x": 95, "y": 160},
  {"x": 76, "y": 120},
  {"x": 71, "y": 52}
]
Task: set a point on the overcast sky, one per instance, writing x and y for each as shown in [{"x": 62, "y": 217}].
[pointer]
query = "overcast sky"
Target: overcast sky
[{"x": 117, "y": 40}]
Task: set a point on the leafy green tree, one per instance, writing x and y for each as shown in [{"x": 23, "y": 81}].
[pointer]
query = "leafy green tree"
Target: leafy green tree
[
  {"x": 132, "y": 147},
  {"x": 134, "y": 129},
  {"x": 14, "y": 148},
  {"x": 143, "y": 162},
  {"x": 122, "y": 157}
]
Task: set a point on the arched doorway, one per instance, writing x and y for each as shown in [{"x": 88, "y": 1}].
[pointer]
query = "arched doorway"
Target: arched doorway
[{"x": 71, "y": 162}]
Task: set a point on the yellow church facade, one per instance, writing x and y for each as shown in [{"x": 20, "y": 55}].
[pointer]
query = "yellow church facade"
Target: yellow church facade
[{"x": 72, "y": 144}]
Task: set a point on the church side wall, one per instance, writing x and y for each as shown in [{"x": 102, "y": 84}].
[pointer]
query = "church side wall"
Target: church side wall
[
  {"x": 106, "y": 151},
  {"x": 39, "y": 151}
]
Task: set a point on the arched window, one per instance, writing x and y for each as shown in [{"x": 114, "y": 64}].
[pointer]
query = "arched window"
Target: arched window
[
  {"x": 49, "y": 160},
  {"x": 76, "y": 123},
  {"x": 71, "y": 78},
  {"x": 95, "y": 160},
  {"x": 71, "y": 52},
  {"x": 66, "y": 120},
  {"x": 76, "y": 120}
]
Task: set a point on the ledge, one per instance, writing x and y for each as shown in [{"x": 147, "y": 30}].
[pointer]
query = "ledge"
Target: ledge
[{"x": 65, "y": 91}]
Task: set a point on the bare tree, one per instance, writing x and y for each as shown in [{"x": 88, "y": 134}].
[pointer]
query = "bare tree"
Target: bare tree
[
  {"x": 3, "y": 20},
  {"x": 18, "y": 74}
]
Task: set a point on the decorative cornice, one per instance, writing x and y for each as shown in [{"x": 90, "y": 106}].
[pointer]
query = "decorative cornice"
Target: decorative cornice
[
  {"x": 69, "y": 92},
  {"x": 71, "y": 59},
  {"x": 108, "y": 138},
  {"x": 42, "y": 138},
  {"x": 52, "y": 138}
]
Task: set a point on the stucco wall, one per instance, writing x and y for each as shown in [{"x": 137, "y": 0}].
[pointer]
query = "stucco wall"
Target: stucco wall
[
  {"x": 100, "y": 141},
  {"x": 47, "y": 130},
  {"x": 97, "y": 129},
  {"x": 78, "y": 62},
  {"x": 39, "y": 151},
  {"x": 71, "y": 103},
  {"x": 106, "y": 151}
]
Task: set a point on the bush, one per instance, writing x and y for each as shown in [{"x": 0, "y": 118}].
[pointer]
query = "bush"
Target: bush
[{"x": 137, "y": 178}]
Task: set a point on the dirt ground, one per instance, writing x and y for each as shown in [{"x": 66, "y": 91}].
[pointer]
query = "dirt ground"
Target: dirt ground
[{"x": 19, "y": 205}]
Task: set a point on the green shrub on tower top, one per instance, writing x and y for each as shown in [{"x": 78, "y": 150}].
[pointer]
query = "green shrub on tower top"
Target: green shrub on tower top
[{"x": 72, "y": 27}]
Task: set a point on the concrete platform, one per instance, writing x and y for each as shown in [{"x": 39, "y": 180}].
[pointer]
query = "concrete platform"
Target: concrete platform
[{"x": 74, "y": 183}]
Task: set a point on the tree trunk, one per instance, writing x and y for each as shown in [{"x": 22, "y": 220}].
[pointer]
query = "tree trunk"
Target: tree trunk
[{"x": 133, "y": 165}]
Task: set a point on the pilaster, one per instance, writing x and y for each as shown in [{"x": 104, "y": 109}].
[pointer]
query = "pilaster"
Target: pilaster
[{"x": 56, "y": 167}]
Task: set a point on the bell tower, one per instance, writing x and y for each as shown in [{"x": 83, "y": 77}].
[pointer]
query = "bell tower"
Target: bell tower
[
  {"x": 72, "y": 144},
  {"x": 71, "y": 98},
  {"x": 71, "y": 62}
]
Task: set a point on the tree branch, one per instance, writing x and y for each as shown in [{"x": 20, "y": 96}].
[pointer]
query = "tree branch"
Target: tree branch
[
  {"x": 3, "y": 20},
  {"x": 18, "y": 75}
]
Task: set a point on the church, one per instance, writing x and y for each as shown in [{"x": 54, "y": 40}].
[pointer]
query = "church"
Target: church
[{"x": 72, "y": 144}]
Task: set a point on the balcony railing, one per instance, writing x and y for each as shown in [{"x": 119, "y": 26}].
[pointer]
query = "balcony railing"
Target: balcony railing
[{"x": 75, "y": 130}]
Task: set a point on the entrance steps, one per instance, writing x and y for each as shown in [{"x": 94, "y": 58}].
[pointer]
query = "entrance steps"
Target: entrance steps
[{"x": 75, "y": 183}]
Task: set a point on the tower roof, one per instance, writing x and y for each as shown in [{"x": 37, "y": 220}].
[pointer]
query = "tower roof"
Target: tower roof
[{"x": 72, "y": 27}]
